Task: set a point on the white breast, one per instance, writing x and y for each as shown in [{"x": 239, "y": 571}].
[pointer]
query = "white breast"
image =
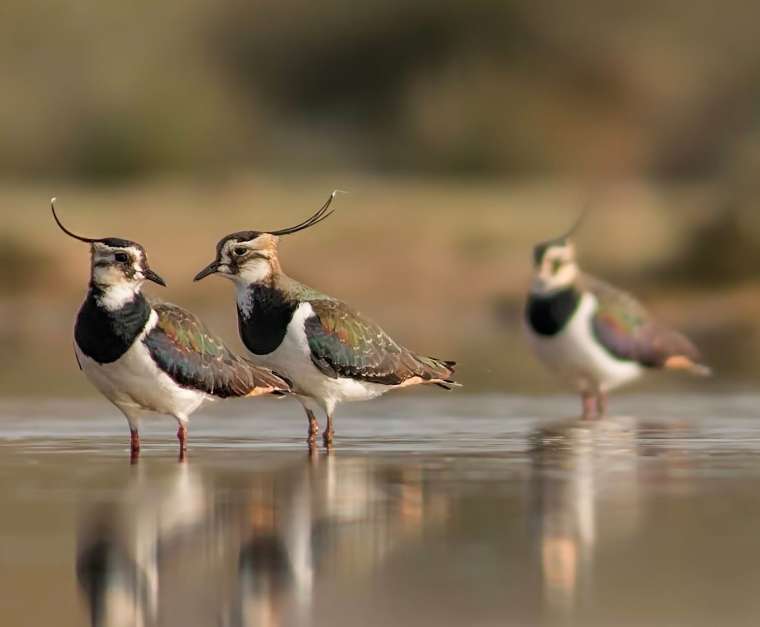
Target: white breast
[
  {"x": 576, "y": 355},
  {"x": 293, "y": 358},
  {"x": 134, "y": 382}
]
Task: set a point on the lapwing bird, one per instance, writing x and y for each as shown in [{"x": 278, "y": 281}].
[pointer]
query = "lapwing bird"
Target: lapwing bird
[
  {"x": 329, "y": 351},
  {"x": 593, "y": 335},
  {"x": 146, "y": 356}
]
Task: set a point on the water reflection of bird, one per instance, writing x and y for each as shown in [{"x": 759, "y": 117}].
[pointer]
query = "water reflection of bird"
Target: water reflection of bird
[
  {"x": 337, "y": 516},
  {"x": 118, "y": 589},
  {"x": 593, "y": 335},
  {"x": 123, "y": 546},
  {"x": 146, "y": 356},
  {"x": 585, "y": 486},
  {"x": 248, "y": 546},
  {"x": 331, "y": 352}
]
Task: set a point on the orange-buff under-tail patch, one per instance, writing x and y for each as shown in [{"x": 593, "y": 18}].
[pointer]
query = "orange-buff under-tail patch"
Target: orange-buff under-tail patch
[{"x": 681, "y": 362}]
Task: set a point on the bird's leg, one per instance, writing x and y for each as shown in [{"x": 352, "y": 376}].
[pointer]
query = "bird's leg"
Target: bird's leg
[
  {"x": 313, "y": 432},
  {"x": 329, "y": 433},
  {"x": 134, "y": 444},
  {"x": 589, "y": 404},
  {"x": 601, "y": 403},
  {"x": 182, "y": 437}
]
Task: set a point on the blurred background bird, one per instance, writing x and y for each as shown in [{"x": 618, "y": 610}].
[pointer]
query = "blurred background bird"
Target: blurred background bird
[{"x": 593, "y": 335}]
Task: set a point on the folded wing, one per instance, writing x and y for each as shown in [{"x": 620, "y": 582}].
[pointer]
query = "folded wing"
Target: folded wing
[
  {"x": 344, "y": 344},
  {"x": 625, "y": 328},
  {"x": 186, "y": 350}
]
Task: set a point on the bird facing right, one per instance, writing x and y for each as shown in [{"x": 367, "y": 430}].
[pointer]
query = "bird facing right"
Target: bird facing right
[
  {"x": 148, "y": 356},
  {"x": 594, "y": 336}
]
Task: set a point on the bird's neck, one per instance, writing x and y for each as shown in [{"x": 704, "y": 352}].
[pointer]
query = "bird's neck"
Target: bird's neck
[
  {"x": 116, "y": 296},
  {"x": 109, "y": 322},
  {"x": 539, "y": 289},
  {"x": 265, "y": 309},
  {"x": 549, "y": 313},
  {"x": 277, "y": 286}
]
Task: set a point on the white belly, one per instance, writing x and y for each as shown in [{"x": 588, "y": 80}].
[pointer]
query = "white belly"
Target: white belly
[
  {"x": 134, "y": 383},
  {"x": 293, "y": 358},
  {"x": 576, "y": 356}
]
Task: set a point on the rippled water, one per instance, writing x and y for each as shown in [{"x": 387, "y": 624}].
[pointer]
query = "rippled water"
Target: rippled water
[{"x": 446, "y": 510}]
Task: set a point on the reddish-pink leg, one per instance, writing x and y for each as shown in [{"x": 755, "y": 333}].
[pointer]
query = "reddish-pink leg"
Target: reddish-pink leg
[
  {"x": 313, "y": 432},
  {"x": 329, "y": 433},
  {"x": 134, "y": 444},
  {"x": 182, "y": 437}
]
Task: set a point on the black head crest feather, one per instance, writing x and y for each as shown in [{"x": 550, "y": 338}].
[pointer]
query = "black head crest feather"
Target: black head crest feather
[
  {"x": 116, "y": 242},
  {"x": 576, "y": 225},
  {"x": 86, "y": 240},
  {"x": 323, "y": 213}
]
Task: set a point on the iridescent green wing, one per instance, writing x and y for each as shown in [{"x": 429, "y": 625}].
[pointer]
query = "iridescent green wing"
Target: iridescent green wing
[
  {"x": 185, "y": 349},
  {"x": 345, "y": 344},
  {"x": 625, "y": 328}
]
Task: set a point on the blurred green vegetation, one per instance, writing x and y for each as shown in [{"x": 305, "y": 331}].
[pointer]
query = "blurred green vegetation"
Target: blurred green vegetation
[{"x": 103, "y": 91}]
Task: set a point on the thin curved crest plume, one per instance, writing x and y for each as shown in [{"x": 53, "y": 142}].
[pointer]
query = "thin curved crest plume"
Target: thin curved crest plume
[
  {"x": 321, "y": 214},
  {"x": 579, "y": 221},
  {"x": 87, "y": 240}
]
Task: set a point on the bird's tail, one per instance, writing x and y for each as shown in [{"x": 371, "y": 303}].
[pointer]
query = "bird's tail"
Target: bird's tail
[
  {"x": 440, "y": 372},
  {"x": 269, "y": 382},
  {"x": 681, "y": 362}
]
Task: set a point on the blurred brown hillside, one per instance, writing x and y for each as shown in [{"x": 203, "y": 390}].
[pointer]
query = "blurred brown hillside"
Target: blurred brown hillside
[
  {"x": 466, "y": 131},
  {"x": 443, "y": 266}
]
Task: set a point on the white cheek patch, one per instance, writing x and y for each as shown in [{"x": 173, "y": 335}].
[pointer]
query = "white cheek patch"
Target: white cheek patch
[
  {"x": 255, "y": 271},
  {"x": 545, "y": 280},
  {"x": 108, "y": 275}
]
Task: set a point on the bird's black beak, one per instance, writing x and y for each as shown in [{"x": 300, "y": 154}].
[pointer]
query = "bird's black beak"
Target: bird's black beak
[
  {"x": 211, "y": 268},
  {"x": 152, "y": 276}
]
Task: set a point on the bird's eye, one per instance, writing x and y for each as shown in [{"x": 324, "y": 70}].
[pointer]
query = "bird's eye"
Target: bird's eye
[
  {"x": 557, "y": 265},
  {"x": 239, "y": 251},
  {"x": 121, "y": 257}
]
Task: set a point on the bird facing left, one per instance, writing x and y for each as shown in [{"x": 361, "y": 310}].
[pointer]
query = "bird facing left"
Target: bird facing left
[{"x": 150, "y": 356}]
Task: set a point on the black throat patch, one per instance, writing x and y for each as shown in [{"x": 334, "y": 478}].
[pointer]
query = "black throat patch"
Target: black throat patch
[
  {"x": 106, "y": 335},
  {"x": 264, "y": 328},
  {"x": 549, "y": 314}
]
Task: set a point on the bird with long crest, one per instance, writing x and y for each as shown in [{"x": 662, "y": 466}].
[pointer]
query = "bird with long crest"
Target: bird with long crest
[
  {"x": 330, "y": 352},
  {"x": 149, "y": 356},
  {"x": 593, "y": 335}
]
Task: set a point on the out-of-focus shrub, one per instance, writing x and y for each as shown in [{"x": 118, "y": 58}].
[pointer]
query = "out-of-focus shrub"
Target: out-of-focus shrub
[{"x": 21, "y": 265}]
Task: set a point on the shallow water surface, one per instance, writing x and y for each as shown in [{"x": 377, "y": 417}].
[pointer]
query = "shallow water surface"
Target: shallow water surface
[{"x": 447, "y": 510}]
